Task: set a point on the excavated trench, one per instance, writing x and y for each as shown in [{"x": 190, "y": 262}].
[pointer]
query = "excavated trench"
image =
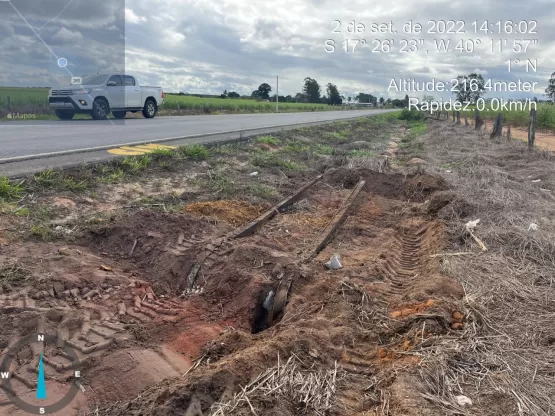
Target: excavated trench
[{"x": 180, "y": 288}]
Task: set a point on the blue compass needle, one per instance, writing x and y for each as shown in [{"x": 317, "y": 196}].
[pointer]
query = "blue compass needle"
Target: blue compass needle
[{"x": 41, "y": 384}]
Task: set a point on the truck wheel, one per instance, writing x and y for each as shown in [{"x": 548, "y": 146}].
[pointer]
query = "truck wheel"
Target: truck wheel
[
  {"x": 101, "y": 109},
  {"x": 149, "y": 111},
  {"x": 64, "y": 114},
  {"x": 119, "y": 114}
]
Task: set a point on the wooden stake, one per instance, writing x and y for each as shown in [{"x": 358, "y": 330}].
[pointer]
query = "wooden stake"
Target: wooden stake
[
  {"x": 532, "y": 129},
  {"x": 497, "y": 127},
  {"x": 478, "y": 122}
]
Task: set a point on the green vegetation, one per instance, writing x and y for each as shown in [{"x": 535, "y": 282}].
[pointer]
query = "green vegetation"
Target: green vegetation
[
  {"x": 411, "y": 115},
  {"x": 410, "y": 143},
  {"x": 323, "y": 149},
  {"x": 267, "y": 140},
  {"x": 24, "y": 96},
  {"x": 194, "y": 151},
  {"x": 47, "y": 178},
  {"x": 338, "y": 137},
  {"x": 362, "y": 153},
  {"x": 417, "y": 129},
  {"x": 9, "y": 190},
  {"x": 112, "y": 176},
  {"x": 263, "y": 191},
  {"x": 296, "y": 147},
  {"x": 237, "y": 105},
  {"x": 262, "y": 158},
  {"x": 74, "y": 185}
]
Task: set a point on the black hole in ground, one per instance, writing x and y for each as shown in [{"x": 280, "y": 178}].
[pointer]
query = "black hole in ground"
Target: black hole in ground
[
  {"x": 260, "y": 319},
  {"x": 261, "y": 315}
]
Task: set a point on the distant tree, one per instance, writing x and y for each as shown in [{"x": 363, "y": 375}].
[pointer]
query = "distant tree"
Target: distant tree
[
  {"x": 233, "y": 94},
  {"x": 470, "y": 88},
  {"x": 289, "y": 99},
  {"x": 281, "y": 98},
  {"x": 388, "y": 101},
  {"x": 264, "y": 91},
  {"x": 300, "y": 98},
  {"x": 334, "y": 98},
  {"x": 428, "y": 98},
  {"x": 255, "y": 94},
  {"x": 406, "y": 101},
  {"x": 311, "y": 90},
  {"x": 367, "y": 98},
  {"x": 224, "y": 94},
  {"x": 550, "y": 90},
  {"x": 349, "y": 99},
  {"x": 398, "y": 103},
  {"x": 382, "y": 101}
]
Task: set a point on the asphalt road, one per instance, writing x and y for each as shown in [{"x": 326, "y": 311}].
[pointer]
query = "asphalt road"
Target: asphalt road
[{"x": 60, "y": 143}]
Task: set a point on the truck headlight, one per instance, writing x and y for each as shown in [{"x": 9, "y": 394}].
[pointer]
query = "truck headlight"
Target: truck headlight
[{"x": 82, "y": 91}]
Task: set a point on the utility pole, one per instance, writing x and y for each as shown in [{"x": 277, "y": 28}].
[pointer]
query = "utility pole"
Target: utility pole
[{"x": 277, "y": 93}]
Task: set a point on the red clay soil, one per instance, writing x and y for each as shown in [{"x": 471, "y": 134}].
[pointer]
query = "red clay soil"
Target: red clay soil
[
  {"x": 368, "y": 316},
  {"x": 233, "y": 212}
]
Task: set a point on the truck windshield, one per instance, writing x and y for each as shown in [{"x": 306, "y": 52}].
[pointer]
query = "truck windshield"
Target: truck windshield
[{"x": 94, "y": 79}]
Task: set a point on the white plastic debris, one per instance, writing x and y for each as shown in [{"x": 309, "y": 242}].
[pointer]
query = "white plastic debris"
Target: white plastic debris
[
  {"x": 334, "y": 262},
  {"x": 472, "y": 224},
  {"x": 463, "y": 401},
  {"x": 254, "y": 174},
  {"x": 532, "y": 227},
  {"x": 448, "y": 171},
  {"x": 536, "y": 180}
]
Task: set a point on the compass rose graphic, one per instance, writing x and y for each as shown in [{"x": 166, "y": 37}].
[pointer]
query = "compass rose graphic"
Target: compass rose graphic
[{"x": 64, "y": 349}]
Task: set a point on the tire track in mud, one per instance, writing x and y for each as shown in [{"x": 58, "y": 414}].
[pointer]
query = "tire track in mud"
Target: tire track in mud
[
  {"x": 408, "y": 304},
  {"x": 96, "y": 326},
  {"x": 404, "y": 263}
]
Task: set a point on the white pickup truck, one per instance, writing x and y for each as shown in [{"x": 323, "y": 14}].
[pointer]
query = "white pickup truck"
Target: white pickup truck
[{"x": 98, "y": 95}]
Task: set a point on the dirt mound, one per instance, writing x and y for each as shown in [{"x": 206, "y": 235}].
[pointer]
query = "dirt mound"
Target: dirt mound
[
  {"x": 232, "y": 211},
  {"x": 165, "y": 246},
  {"x": 415, "y": 187},
  {"x": 448, "y": 205}
]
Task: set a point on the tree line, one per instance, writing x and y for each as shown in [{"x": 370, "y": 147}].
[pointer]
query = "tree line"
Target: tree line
[{"x": 312, "y": 92}]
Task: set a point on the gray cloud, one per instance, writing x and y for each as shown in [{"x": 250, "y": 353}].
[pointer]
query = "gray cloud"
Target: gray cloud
[{"x": 199, "y": 46}]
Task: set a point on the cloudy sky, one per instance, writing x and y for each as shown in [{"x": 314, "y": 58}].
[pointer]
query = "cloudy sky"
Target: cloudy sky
[{"x": 201, "y": 46}]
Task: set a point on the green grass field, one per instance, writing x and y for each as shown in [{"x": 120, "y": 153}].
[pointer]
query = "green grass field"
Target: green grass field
[
  {"x": 23, "y": 97},
  {"x": 236, "y": 105},
  {"x": 29, "y": 98}
]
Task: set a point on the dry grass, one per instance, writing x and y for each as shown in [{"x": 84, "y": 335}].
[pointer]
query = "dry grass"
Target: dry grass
[
  {"x": 507, "y": 347},
  {"x": 311, "y": 392}
]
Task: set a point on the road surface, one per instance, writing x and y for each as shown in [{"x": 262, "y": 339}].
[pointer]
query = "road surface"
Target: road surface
[{"x": 60, "y": 143}]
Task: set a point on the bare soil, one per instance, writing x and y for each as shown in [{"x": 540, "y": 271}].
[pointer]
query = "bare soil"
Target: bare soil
[{"x": 169, "y": 314}]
